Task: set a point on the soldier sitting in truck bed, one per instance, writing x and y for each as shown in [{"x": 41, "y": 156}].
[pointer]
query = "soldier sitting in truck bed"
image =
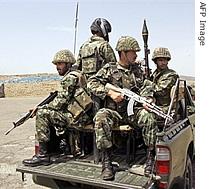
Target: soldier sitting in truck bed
[
  {"x": 163, "y": 80},
  {"x": 114, "y": 112},
  {"x": 163, "y": 77},
  {"x": 69, "y": 108}
]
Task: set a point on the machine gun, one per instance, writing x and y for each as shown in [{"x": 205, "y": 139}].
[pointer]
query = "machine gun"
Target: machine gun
[
  {"x": 29, "y": 114},
  {"x": 133, "y": 97}
]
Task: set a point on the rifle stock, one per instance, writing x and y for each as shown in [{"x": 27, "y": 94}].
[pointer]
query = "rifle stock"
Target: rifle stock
[{"x": 28, "y": 115}]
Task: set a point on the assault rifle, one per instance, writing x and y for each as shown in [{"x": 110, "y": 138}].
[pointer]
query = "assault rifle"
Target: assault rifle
[
  {"x": 133, "y": 97},
  {"x": 29, "y": 114}
]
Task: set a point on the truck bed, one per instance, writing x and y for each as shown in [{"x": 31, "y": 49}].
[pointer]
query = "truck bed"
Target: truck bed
[{"x": 88, "y": 174}]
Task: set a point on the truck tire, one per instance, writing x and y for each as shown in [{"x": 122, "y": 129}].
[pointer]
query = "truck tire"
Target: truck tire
[{"x": 188, "y": 174}]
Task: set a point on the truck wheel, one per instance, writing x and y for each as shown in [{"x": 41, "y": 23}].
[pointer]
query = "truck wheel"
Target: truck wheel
[{"x": 188, "y": 174}]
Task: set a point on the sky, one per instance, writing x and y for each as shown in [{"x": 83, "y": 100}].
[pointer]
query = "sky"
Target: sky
[{"x": 32, "y": 31}]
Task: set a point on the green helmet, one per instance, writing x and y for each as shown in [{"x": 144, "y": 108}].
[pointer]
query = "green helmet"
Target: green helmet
[
  {"x": 64, "y": 56},
  {"x": 127, "y": 43},
  {"x": 161, "y": 52}
]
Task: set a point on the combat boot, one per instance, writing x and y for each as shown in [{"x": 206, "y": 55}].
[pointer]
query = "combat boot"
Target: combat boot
[
  {"x": 42, "y": 158},
  {"x": 64, "y": 147},
  {"x": 150, "y": 161},
  {"x": 107, "y": 169}
]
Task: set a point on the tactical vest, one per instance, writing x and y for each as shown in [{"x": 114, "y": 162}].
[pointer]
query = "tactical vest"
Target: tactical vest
[
  {"x": 122, "y": 80},
  {"x": 91, "y": 59},
  {"x": 81, "y": 101}
]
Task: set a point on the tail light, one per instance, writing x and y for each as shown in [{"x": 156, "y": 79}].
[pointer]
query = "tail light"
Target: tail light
[
  {"x": 36, "y": 147},
  {"x": 163, "y": 158},
  {"x": 162, "y": 185}
]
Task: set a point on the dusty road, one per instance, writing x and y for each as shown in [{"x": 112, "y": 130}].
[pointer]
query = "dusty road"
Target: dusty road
[{"x": 18, "y": 144}]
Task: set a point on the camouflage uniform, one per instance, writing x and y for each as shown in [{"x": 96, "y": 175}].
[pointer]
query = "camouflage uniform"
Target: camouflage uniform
[
  {"x": 87, "y": 60},
  {"x": 57, "y": 112},
  {"x": 111, "y": 115},
  {"x": 96, "y": 52},
  {"x": 163, "y": 80},
  {"x": 114, "y": 114},
  {"x": 67, "y": 109}
]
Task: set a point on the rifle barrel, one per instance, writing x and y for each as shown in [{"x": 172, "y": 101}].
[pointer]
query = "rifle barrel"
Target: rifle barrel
[
  {"x": 28, "y": 115},
  {"x": 10, "y": 129}
]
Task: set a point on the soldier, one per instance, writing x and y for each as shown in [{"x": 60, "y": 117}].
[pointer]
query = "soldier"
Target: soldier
[
  {"x": 68, "y": 109},
  {"x": 95, "y": 52},
  {"x": 163, "y": 77},
  {"x": 120, "y": 74}
]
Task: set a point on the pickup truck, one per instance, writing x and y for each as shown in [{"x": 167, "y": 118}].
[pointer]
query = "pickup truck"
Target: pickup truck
[{"x": 174, "y": 162}]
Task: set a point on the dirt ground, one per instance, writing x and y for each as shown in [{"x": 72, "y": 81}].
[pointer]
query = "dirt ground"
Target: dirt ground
[
  {"x": 30, "y": 89},
  {"x": 29, "y": 84},
  {"x": 17, "y": 145}
]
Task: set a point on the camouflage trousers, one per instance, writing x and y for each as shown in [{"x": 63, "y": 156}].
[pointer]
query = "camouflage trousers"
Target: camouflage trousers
[
  {"x": 60, "y": 120},
  {"x": 106, "y": 119}
]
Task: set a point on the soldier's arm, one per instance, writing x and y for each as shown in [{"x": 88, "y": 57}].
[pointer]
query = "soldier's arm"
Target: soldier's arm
[
  {"x": 107, "y": 53},
  {"x": 65, "y": 93},
  {"x": 96, "y": 83}
]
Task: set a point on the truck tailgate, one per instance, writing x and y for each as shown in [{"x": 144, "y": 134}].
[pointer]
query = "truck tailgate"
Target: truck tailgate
[{"x": 87, "y": 173}]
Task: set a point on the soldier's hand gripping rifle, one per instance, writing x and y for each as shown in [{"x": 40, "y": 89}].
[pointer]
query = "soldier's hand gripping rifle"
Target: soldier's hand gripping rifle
[
  {"x": 30, "y": 113},
  {"x": 145, "y": 34},
  {"x": 133, "y": 97}
]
